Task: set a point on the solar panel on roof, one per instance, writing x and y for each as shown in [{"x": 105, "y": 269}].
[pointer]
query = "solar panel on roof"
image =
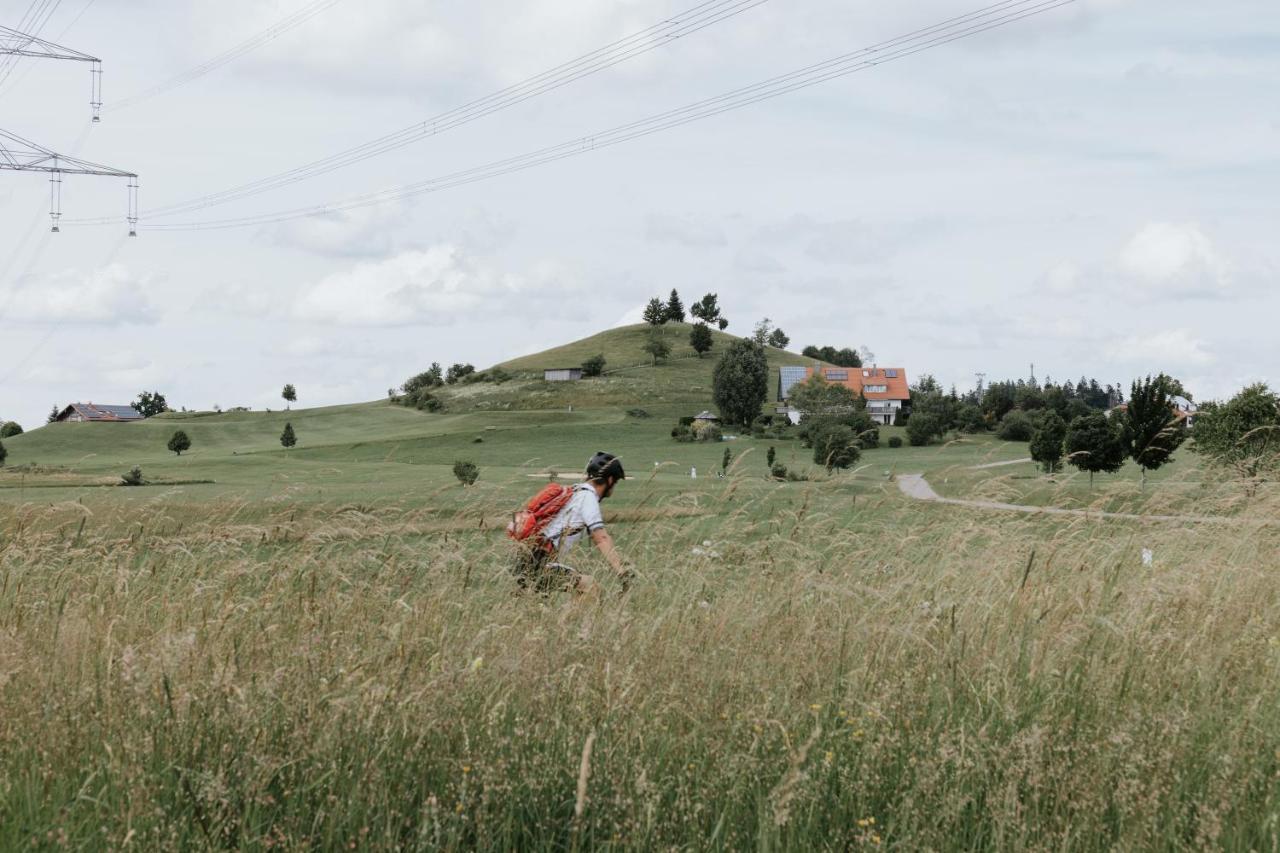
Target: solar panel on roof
[
  {"x": 836, "y": 375},
  {"x": 892, "y": 374}
]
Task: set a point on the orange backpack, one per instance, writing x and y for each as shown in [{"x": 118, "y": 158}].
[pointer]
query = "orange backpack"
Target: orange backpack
[{"x": 541, "y": 509}]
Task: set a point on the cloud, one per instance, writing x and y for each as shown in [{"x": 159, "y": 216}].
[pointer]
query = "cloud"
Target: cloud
[
  {"x": 1174, "y": 259},
  {"x": 362, "y": 232},
  {"x": 1062, "y": 279},
  {"x": 661, "y": 228},
  {"x": 435, "y": 287},
  {"x": 1162, "y": 350},
  {"x": 108, "y": 296},
  {"x": 847, "y": 241}
]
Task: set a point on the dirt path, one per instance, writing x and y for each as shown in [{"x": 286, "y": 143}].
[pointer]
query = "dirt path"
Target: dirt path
[
  {"x": 986, "y": 465},
  {"x": 916, "y": 486}
]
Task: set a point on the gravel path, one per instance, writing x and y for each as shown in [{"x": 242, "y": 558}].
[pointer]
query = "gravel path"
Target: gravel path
[
  {"x": 986, "y": 465},
  {"x": 916, "y": 486}
]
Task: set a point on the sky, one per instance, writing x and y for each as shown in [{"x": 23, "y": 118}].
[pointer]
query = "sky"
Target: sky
[{"x": 1090, "y": 191}]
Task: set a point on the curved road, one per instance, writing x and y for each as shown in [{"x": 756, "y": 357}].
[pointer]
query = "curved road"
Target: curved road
[{"x": 916, "y": 486}]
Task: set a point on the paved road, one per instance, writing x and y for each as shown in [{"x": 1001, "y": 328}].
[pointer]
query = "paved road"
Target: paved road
[{"x": 916, "y": 486}]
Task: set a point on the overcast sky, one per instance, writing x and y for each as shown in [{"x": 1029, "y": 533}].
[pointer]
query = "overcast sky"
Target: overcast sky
[{"x": 1092, "y": 191}]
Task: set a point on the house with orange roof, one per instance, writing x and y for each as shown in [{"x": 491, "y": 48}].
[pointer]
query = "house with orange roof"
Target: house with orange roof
[{"x": 884, "y": 388}]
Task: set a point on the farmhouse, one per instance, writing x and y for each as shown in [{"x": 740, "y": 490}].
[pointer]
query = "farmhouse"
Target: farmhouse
[
  {"x": 562, "y": 374},
  {"x": 98, "y": 412},
  {"x": 884, "y": 388},
  {"x": 1184, "y": 410},
  {"x": 704, "y": 418}
]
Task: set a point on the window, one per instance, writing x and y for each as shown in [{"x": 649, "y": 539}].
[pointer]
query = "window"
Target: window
[
  {"x": 875, "y": 389},
  {"x": 892, "y": 374},
  {"x": 866, "y": 373}
]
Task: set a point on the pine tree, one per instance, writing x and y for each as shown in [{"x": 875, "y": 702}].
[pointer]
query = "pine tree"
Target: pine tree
[
  {"x": 674, "y": 312},
  {"x": 288, "y": 438},
  {"x": 53, "y": 415},
  {"x": 654, "y": 313}
]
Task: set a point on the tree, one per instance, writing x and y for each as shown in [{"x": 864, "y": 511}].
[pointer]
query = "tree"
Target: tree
[
  {"x": 150, "y": 404},
  {"x": 706, "y": 309},
  {"x": 179, "y": 442},
  {"x": 922, "y": 428},
  {"x": 1016, "y": 426},
  {"x": 740, "y": 383},
  {"x": 1152, "y": 432},
  {"x": 700, "y": 338},
  {"x": 1242, "y": 434},
  {"x": 844, "y": 357},
  {"x": 722, "y": 323},
  {"x": 594, "y": 366},
  {"x": 816, "y": 397},
  {"x": 970, "y": 419},
  {"x": 466, "y": 472},
  {"x": 657, "y": 347},
  {"x": 53, "y": 415},
  {"x": 655, "y": 314},
  {"x": 417, "y": 389},
  {"x": 4, "y": 454},
  {"x": 770, "y": 455},
  {"x": 778, "y": 339},
  {"x": 1047, "y": 441},
  {"x": 1094, "y": 444},
  {"x": 290, "y": 395},
  {"x": 288, "y": 438},
  {"x": 458, "y": 372},
  {"x": 10, "y": 428},
  {"x": 674, "y": 310},
  {"x": 834, "y": 445},
  {"x": 760, "y": 335},
  {"x": 725, "y": 460}
]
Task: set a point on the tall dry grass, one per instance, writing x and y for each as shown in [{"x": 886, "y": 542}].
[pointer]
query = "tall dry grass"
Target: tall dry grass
[{"x": 898, "y": 675}]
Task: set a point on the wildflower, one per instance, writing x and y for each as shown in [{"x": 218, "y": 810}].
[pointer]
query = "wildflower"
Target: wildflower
[
  {"x": 466, "y": 768},
  {"x": 875, "y": 839},
  {"x": 862, "y": 822},
  {"x": 815, "y": 707}
]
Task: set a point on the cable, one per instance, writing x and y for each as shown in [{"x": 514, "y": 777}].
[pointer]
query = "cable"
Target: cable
[
  {"x": 18, "y": 80},
  {"x": 964, "y": 26},
  {"x": 992, "y": 17},
  {"x": 247, "y": 46},
  {"x": 30, "y": 27},
  {"x": 699, "y": 17}
]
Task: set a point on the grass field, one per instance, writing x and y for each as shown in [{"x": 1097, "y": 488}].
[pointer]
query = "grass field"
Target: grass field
[{"x": 323, "y": 647}]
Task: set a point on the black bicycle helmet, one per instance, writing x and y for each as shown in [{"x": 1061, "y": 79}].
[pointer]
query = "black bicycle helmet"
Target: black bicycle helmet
[{"x": 603, "y": 465}]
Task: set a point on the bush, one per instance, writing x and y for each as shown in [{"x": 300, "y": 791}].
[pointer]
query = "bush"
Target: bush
[
  {"x": 1016, "y": 426},
  {"x": 594, "y": 366},
  {"x": 466, "y": 472},
  {"x": 133, "y": 478},
  {"x": 682, "y": 432},
  {"x": 895, "y": 441},
  {"x": 834, "y": 446},
  {"x": 3, "y": 453},
  {"x": 9, "y": 429},
  {"x": 637, "y": 413},
  {"x": 923, "y": 428},
  {"x": 778, "y": 471},
  {"x": 710, "y": 432}
]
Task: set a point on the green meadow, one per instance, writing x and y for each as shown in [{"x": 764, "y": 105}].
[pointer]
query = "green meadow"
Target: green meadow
[{"x": 322, "y": 647}]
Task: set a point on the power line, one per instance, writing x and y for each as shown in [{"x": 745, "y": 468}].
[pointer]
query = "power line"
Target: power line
[
  {"x": 964, "y": 26},
  {"x": 699, "y": 17},
  {"x": 247, "y": 46},
  {"x": 58, "y": 37}
]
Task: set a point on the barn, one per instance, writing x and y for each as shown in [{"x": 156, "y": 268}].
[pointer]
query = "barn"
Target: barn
[
  {"x": 82, "y": 412},
  {"x": 562, "y": 374}
]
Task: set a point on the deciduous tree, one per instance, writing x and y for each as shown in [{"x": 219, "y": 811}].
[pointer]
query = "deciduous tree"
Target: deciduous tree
[
  {"x": 778, "y": 339},
  {"x": 1242, "y": 434},
  {"x": 594, "y": 366},
  {"x": 706, "y": 309},
  {"x": 834, "y": 445},
  {"x": 1094, "y": 444},
  {"x": 657, "y": 347},
  {"x": 1047, "y": 441},
  {"x": 179, "y": 442},
  {"x": 700, "y": 338},
  {"x": 740, "y": 383},
  {"x": 290, "y": 395},
  {"x": 655, "y": 313},
  {"x": 150, "y": 404},
  {"x": 1152, "y": 432}
]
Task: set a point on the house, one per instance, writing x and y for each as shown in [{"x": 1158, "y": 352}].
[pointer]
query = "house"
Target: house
[
  {"x": 704, "y": 418},
  {"x": 1183, "y": 410},
  {"x": 562, "y": 374},
  {"x": 884, "y": 388},
  {"x": 99, "y": 412}
]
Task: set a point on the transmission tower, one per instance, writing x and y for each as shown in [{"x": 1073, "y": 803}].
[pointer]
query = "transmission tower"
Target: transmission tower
[
  {"x": 982, "y": 379},
  {"x": 22, "y": 155}
]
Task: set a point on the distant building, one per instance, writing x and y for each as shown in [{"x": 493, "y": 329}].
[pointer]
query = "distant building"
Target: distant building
[
  {"x": 562, "y": 374},
  {"x": 98, "y": 412},
  {"x": 704, "y": 418},
  {"x": 884, "y": 388},
  {"x": 1183, "y": 410}
]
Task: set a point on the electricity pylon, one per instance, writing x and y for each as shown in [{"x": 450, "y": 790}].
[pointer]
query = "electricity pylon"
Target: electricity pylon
[
  {"x": 14, "y": 43},
  {"x": 22, "y": 155}
]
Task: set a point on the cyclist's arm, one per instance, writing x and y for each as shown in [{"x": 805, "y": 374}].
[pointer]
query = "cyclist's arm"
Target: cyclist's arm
[{"x": 602, "y": 540}]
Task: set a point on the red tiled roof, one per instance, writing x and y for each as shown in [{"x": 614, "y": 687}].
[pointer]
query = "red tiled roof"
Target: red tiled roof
[{"x": 857, "y": 379}]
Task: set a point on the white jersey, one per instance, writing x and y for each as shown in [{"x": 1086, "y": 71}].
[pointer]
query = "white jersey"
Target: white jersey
[{"x": 581, "y": 515}]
